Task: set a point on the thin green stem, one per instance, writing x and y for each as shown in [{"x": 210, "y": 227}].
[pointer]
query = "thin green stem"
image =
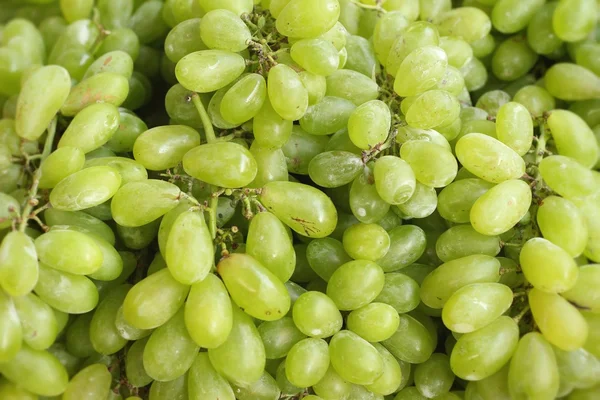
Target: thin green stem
[
  {"x": 32, "y": 195},
  {"x": 517, "y": 318},
  {"x": 376, "y": 7}
]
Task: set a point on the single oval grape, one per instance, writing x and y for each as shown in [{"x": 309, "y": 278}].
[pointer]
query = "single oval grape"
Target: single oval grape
[{"x": 355, "y": 359}]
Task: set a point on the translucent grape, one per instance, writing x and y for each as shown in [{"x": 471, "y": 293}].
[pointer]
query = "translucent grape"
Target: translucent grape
[
  {"x": 352, "y": 86},
  {"x": 104, "y": 336},
  {"x": 573, "y": 20},
  {"x": 433, "y": 108},
  {"x": 582, "y": 293},
  {"x": 139, "y": 203},
  {"x": 411, "y": 342},
  {"x": 355, "y": 359},
  {"x": 69, "y": 251},
  {"x": 270, "y": 130},
  {"x": 462, "y": 240},
  {"x": 548, "y": 267},
  {"x": 204, "y": 380},
  {"x": 374, "y": 322},
  {"x": 288, "y": 95},
  {"x": 453, "y": 23},
  {"x": 573, "y": 138},
  {"x": 355, "y": 284},
  {"x": 335, "y": 168},
  {"x": 509, "y": 16},
  {"x": 163, "y": 147},
  {"x": 317, "y": 56},
  {"x": 369, "y": 124},
  {"x": 307, "y": 362},
  {"x": 19, "y": 264},
  {"x": 209, "y": 70},
  {"x": 306, "y": 19},
  {"x": 222, "y": 29},
  {"x": 365, "y": 203},
  {"x": 421, "y": 70},
  {"x": 73, "y": 294},
  {"x": 327, "y": 116},
  {"x": 422, "y": 203},
  {"x": 105, "y": 87},
  {"x": 432, "y": 164},
  {"x": 583, "y": 84},
  {"x": 514, "y": 127},
  {"x": 434, "y": 377}
]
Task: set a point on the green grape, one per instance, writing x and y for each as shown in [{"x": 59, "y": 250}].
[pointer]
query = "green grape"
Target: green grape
[
  {"x": 355, "y": 284},
  {"x": 286, "y": 387},
  {"x": 577, "y": 368},
  {"x": 567, "y": 177},
  {"x": 51, "y": 29},
  {"x": 583, "y": 293},
  {"x": 474, "y": 306},
  {"x": 271, "y": 165},
  {"x": 307, "y": 18},
  {"x": 184, "y": 39},
  {"x": 366, "y": 204},
  {"x": 264, "y": 389},
  {"x": 571, "y": 82},
  {"x": 39, "y": 324},
  {"x": 154, "y": 300},
  {"x": 147, "y": 22},
  {"x": 279, "y": 337},
  {"x": 325, "y": 256},
  {"x": 126, "y": 331},
  {"x": 411, "y": 342},
  {"x": 593, "y": 321},
  {"x": 270, "y": 130},
  {"x": 92, "y": 382},
  {"x": 501, "y": 207},
  {"x": 241, "y": 358},
  {"x": 115, "y": 13},
  {"x": 509, "y": 16},
  {"x": 303, "y": 273},
  {"x": 514, "y": 127},
  {"x": 327, "y": 116},
  {"x": 387, "y": 29},
  {"x": 139, "y": 203},
  {"x": 400, "y": 291},
  {"x": 443, "y": 282},
  {"x": 422, "y": 203},
  {"x": 104, "y": 336},
  {"x": 587, "y": 55},
  {"x": 209, "y": 70},
  {"x": 474, "y": 74},
  {"x": 77, "y": 338},
  {"x": 332, "y": 386},
  {"x": 266, "y": 242},
  {"x": 129, "y": 129},
  {"x": 418, "y": 34},
  {"x": 352, "y": 86},
  {"x": 224, "y": 30},
  {"x": 69, "y": 251},
  {"x": 138, "y": 237},
  {"x": 453, "y": 23},
  {"x": 42, "y": 95},
  {"x": 548, "y": 267},
  {"x": 484, "y": 352},
  {"x": 434, "y": 377},
  {"x": 374, "y": 322},
  {"x": 573, "y": 20},
  {"x": 361, "y": 56},
  {"x": 540, "y": 34},
  {"x": 104, "y": 87},
  {"x": 307, "y": 362},
  {"x": 179, "y": 106},
  {"x": 315, "y": 85},
  {"x": 335, "y": 168},
  {"x": 433, "y": 108},
  {"x": 237, "y": 6},
  {"x": 18, "y": 264},
  {"x": 303, "y": 208},
  {"x": 513, "y": 59},
  {"x": 408, "y": 133},
  {"x": 369, "y": 124},
  {"x": 584, "y": 394},
  {"x": 91, "y": 128},
  {"x": 204, "y": 380},
  {"x": 36, "y": 371},
  {"x": 244, "y": 99},
  {"x": 86, "y": 188},
  {"x": 558, "y": 320},
  {"x": 441, "y": 168},
  {"x": 336, "y": 35},
  {"x": 9, "y": 390},
  {"x": 484, "y": 46},
  {"x": 130, "y": 170},
  {"x": 134, "y": 364},
  {"x": 289, "y": 97},
  {"x": 366, "y": 242},
  {"x": 176, "y": 389},
  {"x": 453, "y": 82},
  {"x": 317, "y": 56},
  {"x": 59, "y": 165},
  {"x": 573, "y": 138},
  {"x": 73, "y": 294},
  {"x": 391, "y": 378},
  {"x": 170, "y": 351},
  {"x": 11, "y": 331},
  {"x": 394, "y": 179},
  {"x": 117, "y": 61},
  {"x": 422, "y": 69},
  {"x": 462, "y": 240},
  {"x": 140, "y": 91},
  {"x": 122, "y": 40},
  {"x": 458, "y": 51},
  {"x": 355, "y": 359}
]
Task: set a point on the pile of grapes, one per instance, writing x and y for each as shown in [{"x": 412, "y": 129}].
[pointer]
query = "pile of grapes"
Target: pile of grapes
[{"x": 299, "y": 199}]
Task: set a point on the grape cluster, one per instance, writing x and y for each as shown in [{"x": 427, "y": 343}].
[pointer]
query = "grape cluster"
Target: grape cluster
[{"x": 299, "y": 199}]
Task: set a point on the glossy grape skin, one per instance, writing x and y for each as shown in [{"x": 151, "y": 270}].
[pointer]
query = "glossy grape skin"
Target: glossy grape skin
[
  {"x": 19, "y": 264},
  {"x": 509, "y": 16},
  {"x": 316, "y": 315},
  {"x": 573, "y": 20},
  {"x": 325, "y": 256},
  {"x": 332, "y": 385},
  {"x": 39, "y": 324},
  {"x": 317, "y": 56},
  {"x": 374, "y": 322},
  {"x": 352, "y": 86},
  {"x": 300, "y": 19},
  {"x": 224, "y": 30},
  {"x": 364, "y": 368},
  {"x": 388, "y": 27},
  {"x": 365, "y": 203},
  {"x": 440, "y": 284},
  {"x": 355, "y": 284},
  {"x": 421, "y": 70},
  {"x": 204, "y": 380},
  {"x": 104, "y": 336},
  {"x": 241, "y": 358},
  {"x": 366, "y": 242},
  {"x": 134, "y": 364},
  {"x": 154, "y": 300},
  {"x": 400, "y": 291},
  {"x": 69, "y": 251},
  {"x": 559, "y": 321},
  {"x": 73, "y": 294},
  {"x": 582, "y": 293},
  {"x": 244, "y": 99},
  {"x": 279, "y": 337},
  {"x": 176, "y": 389},
  {"x": 327, "y": 116},
  {"x": 394, "y": 179},
  {"x": 307, "y": 362},
  {"x": 514, "y": 127},
  {"x": 567, "y": 177},
  {"x": 164, "y": 147},
  {"x": 11, "y": 331},
  {"x": 265, "y": 388},
  {"x": 433, "y": 108},
  {"x": 77, "y": 337},
  {"x": 434, "y": 377},
  {"x": 315, "y": 85},
  {"x": 421, "y": 204},
  {"x": 441, "y": 167},
  {"x": 583, "y": 83},
  {"x": 453, "y": 23},
  {"x": 288, "y": 95},
  {"x": 105, "y": 87},
  {"x": 548, "y": 267},
  {"x": 573, "y": 138},
  {"x": 369, "y": 124},
  {"x": 462, "y": 240},
  {"x": 411, "y": 342},
  {"x": 139, "y": 203},
  {"x": 501, "y": 207},
  {"x": 457, "y": 199},
  {"x": 92, "y": 382},
  {"x": 270, "y": 130},
  {"x": 209, "y": 70}
]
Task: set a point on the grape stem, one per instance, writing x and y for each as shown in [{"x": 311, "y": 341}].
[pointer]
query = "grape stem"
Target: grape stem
[
  {"x": 376, "y": 7},
  {"x": 517, "y": 318},
  {"x": 32, "y": 200}
]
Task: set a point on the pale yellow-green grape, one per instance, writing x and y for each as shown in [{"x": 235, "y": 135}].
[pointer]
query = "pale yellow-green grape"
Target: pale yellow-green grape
[
  {"x": 327, "y": 116},
  {"x": 175, "y": 389},
  {"x": 307, "y": 362},
  {"x": 394, "y": 179},
  {"x": 271, "y": 165},
  {"x": 130, "y": 170},
  {"x": 430, "y": 9},
  {"x": 204, "y": 381},
  {"x": 332, "y": 385},
  {"x": 421, "y": 70},
  {"x": 288, "y": 95},
  {"x": 73, "y": 294},
  {"x": 301, "y": 148},
  {"x": 374, "y": 322},
  {"x": 129, "y": 129},
  {"x": 501, "y": 207},
  {"x": 134, "y": 364},
  {"x": 468, "y": 23},
  {"x": 91, "y": 128},
  {"x": 170, "y": 351},
  {"x": 567, "y": 177},
  {"x": 60, "y": 164},
  {"x": 104, "y": 335},
  {"x": 488, "y": 158},
  {"x": 453, "y": 82},
  {"x": 86, "y": 188},
  {"x": 105, "y": 87},
  {"x": 510, "y": 16},
  {"x": 315, "y": 85},
  {"x": 253, "y": 287},
  {"x": 434, "y": 377},
  {"x": 573, "y": 20},
  {"x": 474, "y": 306},
  {"x": 307, "y": 18},
  {"x": 558, "y": 320},
  {"x": 360, "y": 55},
  {"x": 355, "y": 284},
  {"x": 316, "y": 315},
  {"x": 209, "y": 70},
  {"x": 591, "y": 212},
  {"x": 18, "y": 264},
  {"x": 457, "y": 50},
  {"x": 222, "y": 29},
  {"x": 533, "y": 370},
  {"x": 154, "y": 300},
  {"x": 244, "y": 99},
  {"x": 432, "y": 164},
  {"x": 11, "y": 330},
  {"x": 433, "y": 108},
  {"x": 317, "y": 56},
  {"x": 237, "y": 6},
  {"x": 333, "y": 169},
  {"x": 422, "y": 203},
  {"x": 77, "y": 336},
  {"x": 69, "y": 251},
  {"x": 42, "y": 95},
  {"x": 387, "y": 29},
  {"x": 514, "y": 127},
  {"x": 391, "y": 378},
  {"x": 10, "y": 390},
  {"x": 440, "y": 284},
  {"x": 325, "y": 256},
  {"x": 462, "y": 240},
  {"x": 577, "y": 368},
  {"x": 270, "y": 130},
  {"x": 36, "y": 371},
  {"x": 484, "y": 46},
  {"x": 366, "y": 242},
  {"x": 355, "y": 359},
  {"x": 573, "y": 137},
  {"x": 352, "y": 86},
  {"x": 548, "y": 267},
  {"x": 583, "y": 293},
  {"x": 587, "y": 56},
  {"x": 118, "y": 62},
  {"x": 572, "y": 82},
  {"x": 513, "y": 59},
  {"x": 540, "y": 34},
  {"x": 265, "y": 388},
  {"x": 126, "y": 330},
  {"x": 457, "y": 199},
  {"x": 369, "y": 124},
  {"x": 266, "y": 242},
  {"x": 38, "y": 321},
  {"x": 163, "y": 147},
  {"x": 241, "y": 359},
  {"x": 418, "y": 34},
  {"x": 475, "y": 74},
  {"x": 484, "y": 352},
  {"x": 139, "y": 203},
  {"x": 184, "y": 39},
  {"x": 411, "y": 342},
  {"x": 340, "y": 141},
  {"x": 492, "y": 101},
  {"x": 303, "y": 208},
  {"x": 279, "y": 337},
  {"x": 408, "y": 133},
  {"x": 400, "y": 291}
]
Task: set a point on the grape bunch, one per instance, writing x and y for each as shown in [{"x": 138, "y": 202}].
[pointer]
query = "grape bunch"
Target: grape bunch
[{"x": 299, "y": 199}]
